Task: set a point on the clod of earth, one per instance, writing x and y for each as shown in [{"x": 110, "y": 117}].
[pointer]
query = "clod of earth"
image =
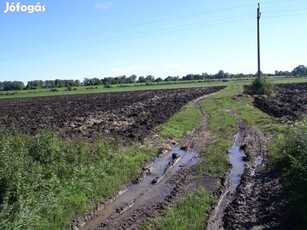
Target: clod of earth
[
  {"x": 290, "y": 101},
  {"x": 124, "y": 115}
]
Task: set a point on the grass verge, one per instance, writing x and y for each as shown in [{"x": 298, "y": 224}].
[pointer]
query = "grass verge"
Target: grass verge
[
  {"x": 188, "y": 213},
  {"x": 289, "y": 149},
  {"x": 45, "y": 181},
  {"x": 182, "y": 122},
  {"x": 223, "y": 127}
]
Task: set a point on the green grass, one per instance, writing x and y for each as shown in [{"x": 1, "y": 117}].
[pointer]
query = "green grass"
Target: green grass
[
  {"x": 101, "y": 89},
  {"x": 190, "y": 213},
  {"x": 45, "y": 181},
  {"x": 182, "y": 122},
  {"x": 223, "y": 127},
  {"x": 215, "y": 157},
  {"x": 289, "y": 149},
  {"x": 288, "y": 80},
  {"x": 139, "y": 87}
]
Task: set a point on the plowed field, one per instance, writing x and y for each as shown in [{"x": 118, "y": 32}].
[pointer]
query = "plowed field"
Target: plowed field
[
  {"x": 290, "y": 101},
  {"x": 127, "y": 115}
]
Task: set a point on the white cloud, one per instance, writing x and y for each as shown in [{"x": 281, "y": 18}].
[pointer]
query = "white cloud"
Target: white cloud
[
  {"x": 125, "y": 70},
  {"x": 103, "y": 5}
]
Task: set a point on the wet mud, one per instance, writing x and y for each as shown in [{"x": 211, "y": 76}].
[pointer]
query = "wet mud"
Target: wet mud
[
  {"x": 257, "y": 202},
  {"x": 157, "y": 187},
  {"x": 233, "y": 177},
  {"x": 150, "y": 190}
]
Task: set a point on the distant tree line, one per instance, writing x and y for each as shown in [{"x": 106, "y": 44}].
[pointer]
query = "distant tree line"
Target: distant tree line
[
  {"x": 299, "y": 71},
  {"x": 11, "y": 85},
  {"x": 38, "y": 84}
]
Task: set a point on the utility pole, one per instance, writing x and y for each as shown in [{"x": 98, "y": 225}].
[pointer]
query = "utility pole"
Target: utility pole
[{"x": 258, "y": 38}]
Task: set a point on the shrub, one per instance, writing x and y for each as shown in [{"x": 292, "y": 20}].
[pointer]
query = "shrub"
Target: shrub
[
  {"x": 291, "y": 151},
  {"x": 295, "y": 161},
  {"x": 259, "y": 86},
  {"x": 107, "y": 85}
]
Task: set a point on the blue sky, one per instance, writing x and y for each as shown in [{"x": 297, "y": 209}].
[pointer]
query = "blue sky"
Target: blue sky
[{"x": 77, "y": 39}]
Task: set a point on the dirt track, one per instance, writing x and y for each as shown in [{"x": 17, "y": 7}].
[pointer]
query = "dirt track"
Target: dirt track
[
  {"x": 258, "y": 202},
  {"x": 160, "y": 196},
  {"x": 126, "y": 115}
]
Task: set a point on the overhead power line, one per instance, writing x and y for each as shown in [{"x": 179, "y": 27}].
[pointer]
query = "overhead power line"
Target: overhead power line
[
  {"x": 127, "y": 27},
  {"x": 202, "y": 24}
]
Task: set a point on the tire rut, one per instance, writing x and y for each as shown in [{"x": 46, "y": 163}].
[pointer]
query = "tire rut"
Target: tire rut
[
  {"x": 258, "y": 202},
  {"x": 174, "y": 186}
]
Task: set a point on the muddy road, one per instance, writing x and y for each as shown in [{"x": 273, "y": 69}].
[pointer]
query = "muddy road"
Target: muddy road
[
  {"x": 125, "y": 115},
  {"x": 258, "y": 201},
  {"x": 159, "y": 185},
  {"x": 252, "y": 195}
]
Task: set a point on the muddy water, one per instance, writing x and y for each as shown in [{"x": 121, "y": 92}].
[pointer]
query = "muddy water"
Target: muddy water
[
  {"x": 152, "y": 188},
  {"x": 258, "y": 160},
  {"x": 238, "y": 166},
  {"x": 235, "y": 158}
]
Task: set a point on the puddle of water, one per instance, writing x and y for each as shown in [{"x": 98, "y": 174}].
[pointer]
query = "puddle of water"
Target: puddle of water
[
  {"x": 238, "y": 166},
  {"x": 258, "y": 160},
  {"x": 144, "y": 192},
  {"x": 235, "y": 158}
]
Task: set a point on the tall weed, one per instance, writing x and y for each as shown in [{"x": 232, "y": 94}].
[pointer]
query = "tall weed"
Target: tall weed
[{"x": 46, "y": 181}]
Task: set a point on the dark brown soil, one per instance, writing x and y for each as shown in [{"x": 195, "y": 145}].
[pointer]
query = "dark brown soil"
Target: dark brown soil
[
  {"x": 289, "y": 102},
  {"x": 259, "y": 201},
  {"x": 178, "y": 186},
  {"x": 125, "y": 115},
  {"x": 168, "y": 191}
]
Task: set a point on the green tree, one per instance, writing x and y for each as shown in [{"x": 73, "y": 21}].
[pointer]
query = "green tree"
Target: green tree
[
  {"x": 221, "y": 74},
  {"x": 58, "y": 83},
  {"x": 132, "y": 78},
  {"x": 300, "y": 71},
  {"x": 142, "y": 79},
  {"x": 49, "y": 84},
  {"x": 77, "y": 83},
  {"x": 150, "y": 78},
  {"x": 36, "y": 84},
  {"x": 12, "y": 85},
  {"x": 86, "y": 81},
  {"x": 159, "y": 79},
  {"x": 94, "y": 81}
]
